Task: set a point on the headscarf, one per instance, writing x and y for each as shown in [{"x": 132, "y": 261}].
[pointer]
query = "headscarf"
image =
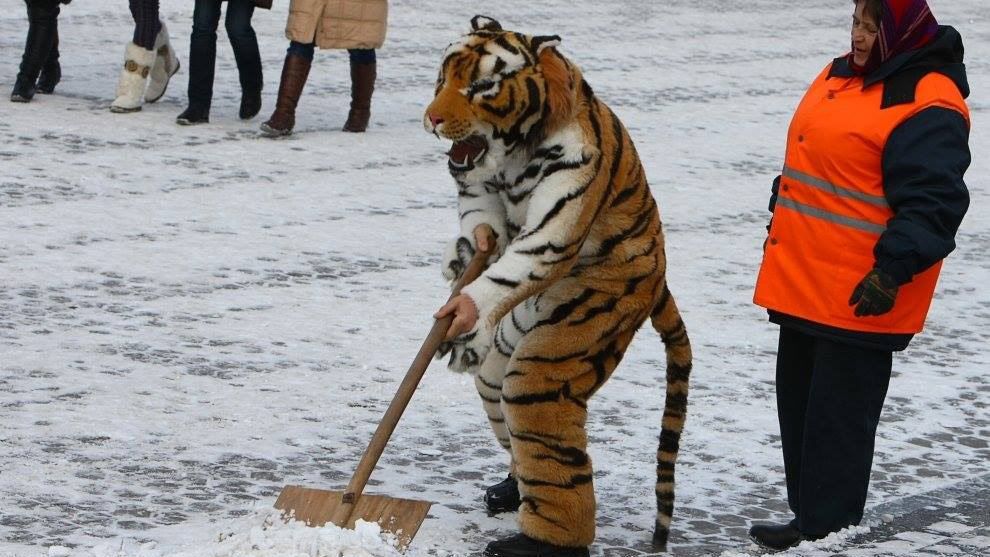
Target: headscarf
[{"x": 905, "y": 25}]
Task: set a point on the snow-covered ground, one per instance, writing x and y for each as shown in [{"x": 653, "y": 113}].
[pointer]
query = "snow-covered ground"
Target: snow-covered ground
[{"x": 192, "y": 317}]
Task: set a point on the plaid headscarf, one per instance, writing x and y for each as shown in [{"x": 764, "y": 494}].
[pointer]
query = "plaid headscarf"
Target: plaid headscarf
[{"x": 905, "y": 25}]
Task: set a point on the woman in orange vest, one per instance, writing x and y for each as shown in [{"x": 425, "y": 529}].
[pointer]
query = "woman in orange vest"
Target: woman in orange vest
[{"x": 865, "y": 209}]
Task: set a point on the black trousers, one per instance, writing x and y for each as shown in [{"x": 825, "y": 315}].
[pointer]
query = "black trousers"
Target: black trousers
[
  {"x": 829, "y": 398},
  {"x": 41, "y": 46},
  {"x": 203, "y": 48}
]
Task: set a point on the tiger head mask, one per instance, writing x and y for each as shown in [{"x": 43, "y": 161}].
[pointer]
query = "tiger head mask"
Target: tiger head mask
[{"x": 497, "y": 91}]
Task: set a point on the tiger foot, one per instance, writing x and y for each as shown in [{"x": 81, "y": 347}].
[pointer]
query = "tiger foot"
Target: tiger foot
[
  {"x": 521, "y": 545},
  {"x": 503, "y": 497}
]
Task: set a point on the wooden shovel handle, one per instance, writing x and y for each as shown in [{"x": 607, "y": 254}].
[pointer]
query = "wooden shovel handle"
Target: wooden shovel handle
[{"x": 406, "y": 389}]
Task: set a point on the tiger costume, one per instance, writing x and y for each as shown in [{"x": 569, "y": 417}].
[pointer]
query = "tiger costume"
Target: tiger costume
[{"x": 579, "y": 266}]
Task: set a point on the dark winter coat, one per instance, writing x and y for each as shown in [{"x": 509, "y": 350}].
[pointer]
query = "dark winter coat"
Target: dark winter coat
[{"x": 923, "y": 164}]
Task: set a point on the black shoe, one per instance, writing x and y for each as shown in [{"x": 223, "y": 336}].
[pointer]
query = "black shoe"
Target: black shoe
[
  {"x": 193, "y": 115},
  {"x": 775, "y": 537},
  {"x": 503, "y": 497},
  {"x": 23, "y": 91},
  {"x": 250, "y": 105},
  {"x": 50, "y": 76},
  {"x": 522, "y": 545}
]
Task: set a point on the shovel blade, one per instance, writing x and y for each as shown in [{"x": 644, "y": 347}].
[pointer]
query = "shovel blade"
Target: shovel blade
[{"x": 316, "y": 507}]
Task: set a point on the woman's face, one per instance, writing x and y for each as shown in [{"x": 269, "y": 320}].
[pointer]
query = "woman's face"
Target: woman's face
[{"x": 864, "y": 34}]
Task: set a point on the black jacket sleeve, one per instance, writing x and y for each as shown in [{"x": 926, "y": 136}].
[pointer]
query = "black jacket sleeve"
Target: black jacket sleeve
[{"x": 923, "y": 165}]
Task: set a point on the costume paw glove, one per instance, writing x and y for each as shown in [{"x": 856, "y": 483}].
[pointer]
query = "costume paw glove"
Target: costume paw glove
[
  {"x": 456, "y": 259},
  {"x": 874, "y": 295},
  {"x": 464, "y": 356}
]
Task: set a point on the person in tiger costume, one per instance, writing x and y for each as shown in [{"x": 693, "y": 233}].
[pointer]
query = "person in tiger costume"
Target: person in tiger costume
[{"x": 579, "y": 265}]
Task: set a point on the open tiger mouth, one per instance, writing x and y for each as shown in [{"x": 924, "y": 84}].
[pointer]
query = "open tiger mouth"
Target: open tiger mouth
[{"x": 464, "y": 154}]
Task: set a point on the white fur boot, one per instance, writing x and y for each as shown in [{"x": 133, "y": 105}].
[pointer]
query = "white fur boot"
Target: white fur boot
[
  {"x": 165, "y": 66},
  {"x": 133, "y": 78}
]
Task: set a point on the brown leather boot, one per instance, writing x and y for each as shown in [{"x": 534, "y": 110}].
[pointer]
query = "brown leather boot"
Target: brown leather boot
[
  {"x": 295, "y": 70},
  {"x": 362, "y": 86}
]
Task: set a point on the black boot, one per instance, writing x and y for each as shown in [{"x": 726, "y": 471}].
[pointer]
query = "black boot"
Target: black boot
[
  {"x": 503, "y": 496},
  {"x": 775, "y": 537},
  {"x": 362, "y": 86},
  {"x": 23, "y": 91},
  {"x": 193, "y": 115},
  {"x": 51, "y": 72},
  {"x": 250, "y": 104},
  {"x": 522, "y": 545},
  {"x": 295, "y": 70}
]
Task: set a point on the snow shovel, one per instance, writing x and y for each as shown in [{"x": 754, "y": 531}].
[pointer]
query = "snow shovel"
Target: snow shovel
[{"x": 402, "y": 517}]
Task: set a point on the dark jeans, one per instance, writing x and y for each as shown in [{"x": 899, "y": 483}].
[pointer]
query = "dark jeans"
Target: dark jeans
[
  {"x": 829, "y": 398},
  {"x": 41, "y": 46},
  {"x": 357, "y": 55},
  {"x": 146, "y": 22},
  {"x": 203, "y": 48}
]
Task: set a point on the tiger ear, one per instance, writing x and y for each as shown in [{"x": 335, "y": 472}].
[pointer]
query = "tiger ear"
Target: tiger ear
[
  {"x": 562, "y": 81},
  {"x": 485, "y": 23},
  {"x": 541, "y": 42}
]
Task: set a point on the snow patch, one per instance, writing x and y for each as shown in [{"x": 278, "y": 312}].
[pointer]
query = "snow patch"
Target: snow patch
[
  {"x": 831, "y": 542},
  {"x": 263, "y": 534}
]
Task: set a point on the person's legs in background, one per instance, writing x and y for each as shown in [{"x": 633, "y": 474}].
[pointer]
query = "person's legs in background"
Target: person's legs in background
[
  {"x": 51, "y": 72},
  {"x": 166, "y": 62},
  {"x": 295, "y": 71},
  {"x": 41, "y": 38},
  {"x": 139, "y": 57},
  {"x": 245, "y": 44},
  {"x": 363, "y": 74},
  {"x": 202, "y": 62},
  {"x": 146, "y": 22}
]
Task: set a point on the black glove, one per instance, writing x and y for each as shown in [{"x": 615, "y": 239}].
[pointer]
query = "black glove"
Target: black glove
[{"x": 874, "y": 295}]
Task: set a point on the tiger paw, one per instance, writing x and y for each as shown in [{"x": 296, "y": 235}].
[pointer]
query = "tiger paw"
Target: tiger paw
[
  {"x": 456, "y": 258},
  {"x": 460, "y": 251},
  {"x": 467, "y": 351}
]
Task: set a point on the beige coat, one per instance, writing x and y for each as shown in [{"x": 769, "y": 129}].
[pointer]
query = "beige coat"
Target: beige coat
[{"x": 338, "y": 23}]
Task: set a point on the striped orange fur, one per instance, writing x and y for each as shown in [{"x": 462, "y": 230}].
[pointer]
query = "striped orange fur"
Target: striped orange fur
[{"x": 580, "y": 266}]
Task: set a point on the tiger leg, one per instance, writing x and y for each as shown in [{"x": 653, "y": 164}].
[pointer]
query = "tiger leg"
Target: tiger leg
[
  {"x": 551, "y": 376},
  {"x": 489, "y": 379}
]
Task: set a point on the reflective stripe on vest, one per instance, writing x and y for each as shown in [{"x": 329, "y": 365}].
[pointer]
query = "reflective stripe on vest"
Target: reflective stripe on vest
[
  {"x": 829, "y": 216},
  {"x": 877, "y": 200},
  {"x": 831, "y": 209}
]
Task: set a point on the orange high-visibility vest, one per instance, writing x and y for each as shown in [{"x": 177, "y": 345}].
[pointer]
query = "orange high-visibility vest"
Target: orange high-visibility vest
[{"x": 831, "y": 208}]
